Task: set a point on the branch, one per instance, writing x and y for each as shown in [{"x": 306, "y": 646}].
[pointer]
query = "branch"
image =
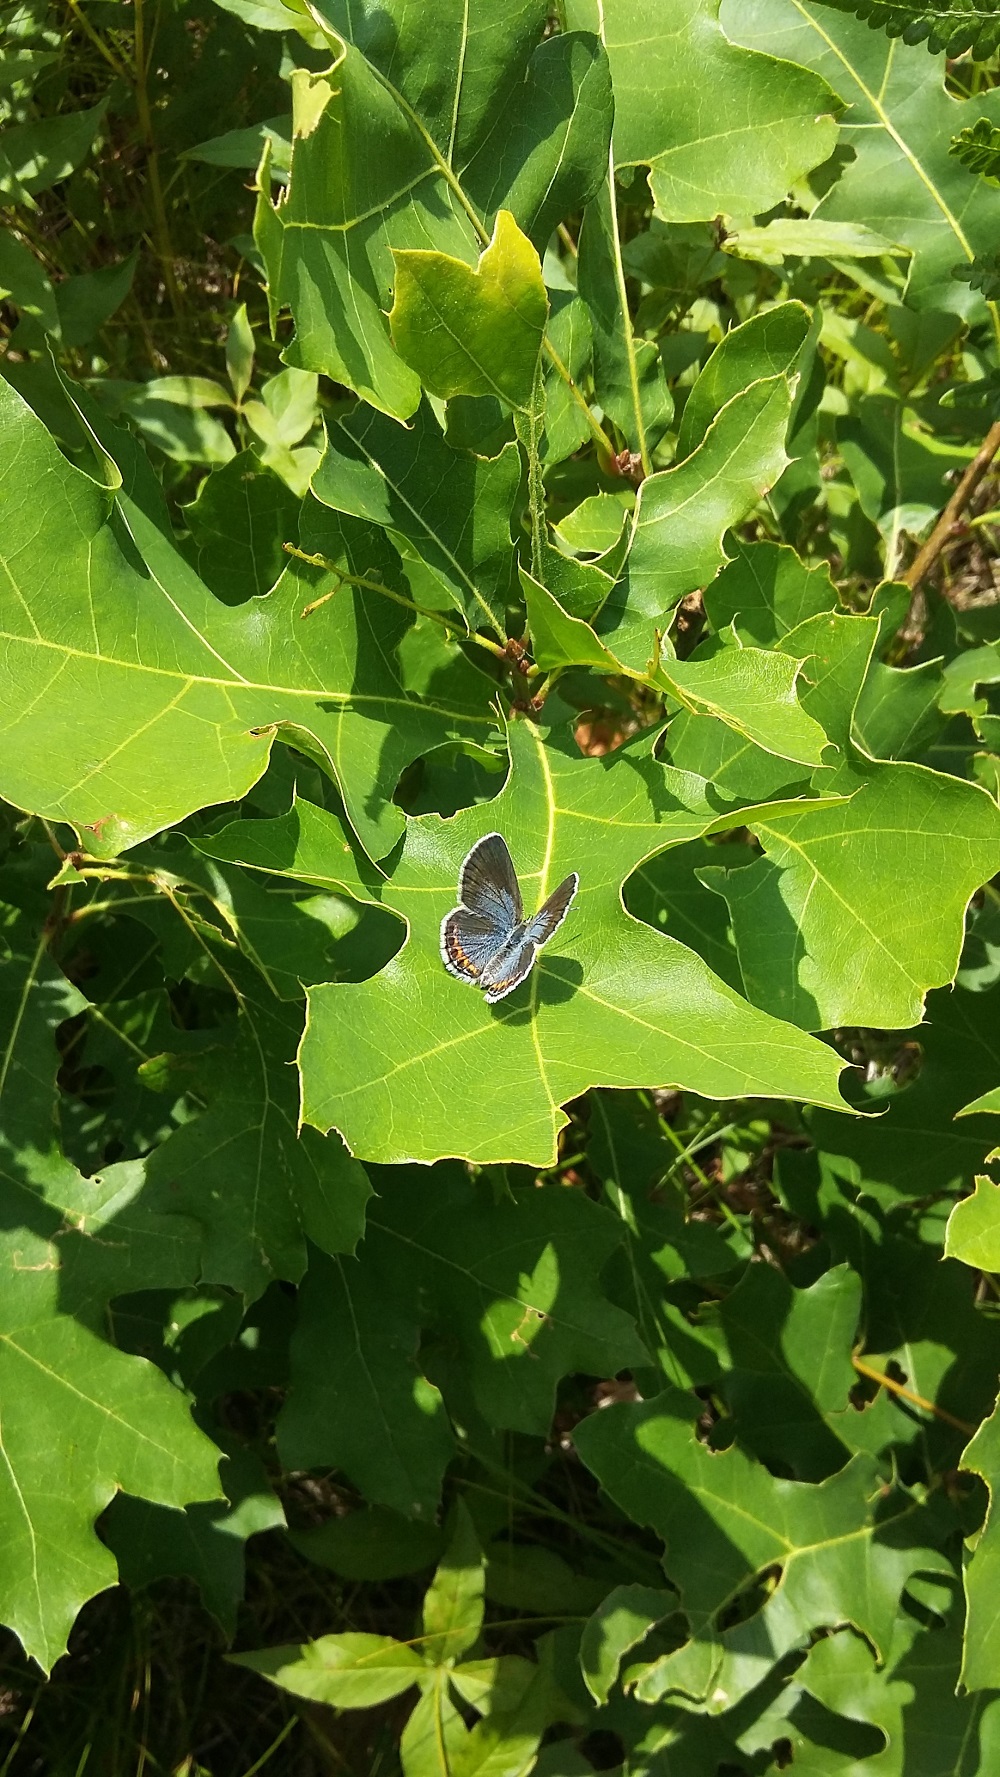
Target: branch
[
  {"x": 950, "y": 518},
  {"x": 907, "y": 1394}
]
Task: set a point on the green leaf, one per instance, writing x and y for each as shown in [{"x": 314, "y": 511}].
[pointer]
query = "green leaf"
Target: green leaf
[
  {"x": 771, "y": 343},
  {"x": 789, "y": 1366},
  {"x": 620, "y": 1624},
  {"x": 435, "y": 1736},
  {"x": 737, "y": 767},
  {"x": 169, "y": 700},
  {"x": 462, "y": 73},
  {"x": 335, "y": 226},
  {"x": 80, "y": 1418},
  {"x": 900, "y": 471},
  {"x": 850, "y": 1711},
  {"x": 629, "y": 379},
  {"x": 453, "y": 1603},
  {"x": 988, "y": 1101},
  {"x": 919, "y": 1313},
  {"x": 170, "y": 413},
  {"x": 640, "y": 1006},
  {"x": 675, "y": 75},
  {"x": 112, "y": 1420},
  {"x": 765, "y": 590},
  {"x": 119, "y": 1230},
  {"x": 980, "y": 1668},
  {"x": 24, "y": 281},
  {"x": 287, "y": 410},
  {"x": 951, "y": 25},
  {"x": 180, "y": 391},
  {"x": 240, "y": 352},
  {"x": 206, "y": 1542},
  {"x": 899, "y": 121},
  {"x": 750, "y": 689},
  {"x": 510, "y": 1290},
  {"x": 682, "y": 514},
  {"x": 352, "y": 1671},
  {"x": 570, "y": 334},
  {"x": 524, "y": 1700},
  {"x": 668, "y": 892},
  {"x": 793, "y": 237},
  {"x": 86, "y": 302},
  {"x": 984, "y": 274},
  {"x": 471, "y": 332},
  {"x": 275, "y": 15},
  {"x": 815, "y": 920},
  {"x": 547, "y": 151},
  {"x": 496, "y": 1747},
  {"x": 417, "y": 488},
  {"x": 637, "y": 1165},
  {"x": 243, "y": 148},
  {"x": 725, "y": 1520},
  {"x": 80, "y": 1421},
  {"x": 359, "y": 1401},
  {"x": 242, "y": 515},
  {"x": 372, "y": 1544},
  {"x": 754, "y": 692},
  {"x": 258, "y": 1184},
  {"x": 838, "y": 650},
  {"x": 35, "y": 156},
  {"x": 973, "y": 1233},
  {"x": 914, "y": 1147},
  {"x": 897, "y": 715},
  {"x": 596, "y": 524},
  {"x": 292, "y": 939}
]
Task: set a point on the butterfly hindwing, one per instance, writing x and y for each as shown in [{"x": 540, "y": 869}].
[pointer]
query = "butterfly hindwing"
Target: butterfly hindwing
[
  {"x": 468, "y": 942},
  {"x": 508, "y": 971}
]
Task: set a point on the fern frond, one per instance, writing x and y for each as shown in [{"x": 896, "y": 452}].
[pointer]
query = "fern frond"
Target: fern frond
[
  {"x": 983, "y": 274},
  {"x": 952, "y": 25},
  {"x": 978, "y": 148}
]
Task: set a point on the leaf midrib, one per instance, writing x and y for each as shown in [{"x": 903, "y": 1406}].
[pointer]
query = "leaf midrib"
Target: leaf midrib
[
  {"x": 237, "y": 683},
  {"x": 875, "y": 100}
]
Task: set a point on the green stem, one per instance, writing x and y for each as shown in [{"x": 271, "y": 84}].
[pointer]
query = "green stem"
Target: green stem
[
  {"x": 633, "y": 369},
  {"x": 530, "y": 427},
  {"x": 161, "y": 228},
  {"x": 599, "y": 435},
  {"x": 97, "y": 40},
  {"x": 370, "y": 584},
  {"x": 541, "y": 1507}
]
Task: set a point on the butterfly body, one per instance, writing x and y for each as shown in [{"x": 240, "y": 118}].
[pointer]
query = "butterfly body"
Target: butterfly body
[{"x": 487, "y": 940}]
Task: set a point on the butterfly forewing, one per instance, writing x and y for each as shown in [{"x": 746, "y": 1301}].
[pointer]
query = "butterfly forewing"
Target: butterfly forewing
[
  {"x": 488, "y": 884},
  {"x": 540, "y": 927}
]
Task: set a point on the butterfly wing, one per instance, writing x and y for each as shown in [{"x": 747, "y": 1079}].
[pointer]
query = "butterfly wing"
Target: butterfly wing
[
  {"x": 515, "y": 959},
  {"x": 509, "y": 970},
  {"x": 469, "y": 942},
  {"x": 540, "y": 927},
  {"x": 488, "y": 884}
]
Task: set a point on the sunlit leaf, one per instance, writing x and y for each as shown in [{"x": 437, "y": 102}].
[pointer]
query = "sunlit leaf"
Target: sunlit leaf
[
  {"x": 649, "y": 1008},
  {"x": 676, "y": 73}
]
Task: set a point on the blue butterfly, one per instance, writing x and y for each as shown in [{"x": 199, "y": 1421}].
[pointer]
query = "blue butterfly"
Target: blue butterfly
[{"x": 486, "y": 939}]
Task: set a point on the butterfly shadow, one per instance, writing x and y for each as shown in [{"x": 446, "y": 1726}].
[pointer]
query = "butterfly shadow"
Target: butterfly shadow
[{"x": 559, "y": 978}]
